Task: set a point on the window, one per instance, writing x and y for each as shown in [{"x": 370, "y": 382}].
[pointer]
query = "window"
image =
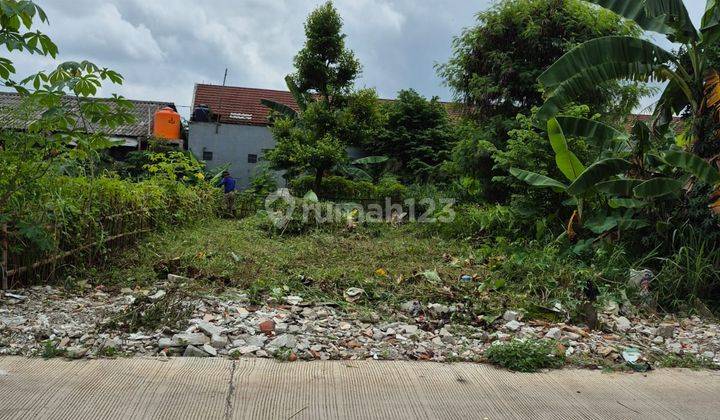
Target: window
[
  {"x": 252, "y": 158},
  {"x": 207, "y": 155}
]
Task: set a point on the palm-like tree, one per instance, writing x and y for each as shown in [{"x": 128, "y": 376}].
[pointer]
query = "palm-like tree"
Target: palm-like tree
[{"x": 693, "y": 86}]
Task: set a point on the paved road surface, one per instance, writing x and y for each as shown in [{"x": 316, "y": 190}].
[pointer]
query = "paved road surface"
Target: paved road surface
[{"x": 252, "y": 388}]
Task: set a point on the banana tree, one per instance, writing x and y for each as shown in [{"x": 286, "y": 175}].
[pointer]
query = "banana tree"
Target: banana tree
[
  {"x": 301, "y": 99},
  {"x": 692, "y": 85}
]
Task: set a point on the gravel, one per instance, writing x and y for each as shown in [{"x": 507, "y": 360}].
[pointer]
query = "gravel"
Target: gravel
[{"x": 73, "y": 325}]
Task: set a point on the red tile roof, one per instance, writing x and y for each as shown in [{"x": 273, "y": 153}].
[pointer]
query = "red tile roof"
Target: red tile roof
[{"x": 241, "y": 105}]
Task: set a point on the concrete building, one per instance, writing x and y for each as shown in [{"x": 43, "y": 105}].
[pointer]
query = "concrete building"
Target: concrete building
[{"x": 236, "y": 129}]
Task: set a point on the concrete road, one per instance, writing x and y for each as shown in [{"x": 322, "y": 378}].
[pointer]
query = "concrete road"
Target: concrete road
[{"x": 254, "y": 388}]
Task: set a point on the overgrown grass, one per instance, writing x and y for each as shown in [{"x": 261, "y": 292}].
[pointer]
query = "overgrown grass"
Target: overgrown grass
[
  {"x": 391, "y": 264},
  {"x": 525, "y": 356}
]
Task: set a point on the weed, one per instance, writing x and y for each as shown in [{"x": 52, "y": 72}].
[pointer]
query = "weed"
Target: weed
[
  {"x": 50, "y": 350},
  {"x": 283, "y": 355},
  {"x": 687, "y": 361},
  {"x": 108, "y": 351},
  {"x": 172, "y": 311},
  {"x": 525, "y": 355}
]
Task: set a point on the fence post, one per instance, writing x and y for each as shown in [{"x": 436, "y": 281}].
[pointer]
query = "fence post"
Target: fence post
[{"x": 5, "y": 245}]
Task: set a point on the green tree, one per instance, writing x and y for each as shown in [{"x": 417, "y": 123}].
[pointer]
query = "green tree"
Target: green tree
[
  {"x": 324, "y": 65},
  {"x": 693, "y": 87},
  {"x": 417, "y": 135},
  {"x": 495, "y": 64},
  {"x": 332, "y": 115}
]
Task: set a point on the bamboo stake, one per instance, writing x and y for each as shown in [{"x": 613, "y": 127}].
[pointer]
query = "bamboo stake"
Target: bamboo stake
[
  {"x": 21, "y": 270},
  {"x": 4, "y": 261}
]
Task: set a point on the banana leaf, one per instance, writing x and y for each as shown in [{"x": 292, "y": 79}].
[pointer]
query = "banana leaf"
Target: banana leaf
[
  {"x": 658, "y": 187},
  {"x": 569, "y": 165},
  {"x": 279, "y": 108},
  {"x": 622, "y": 187},
  {"x": 693, "y": 164},
  {"x": 537, "y": 180},
  {"x": 597, "y": 132},
  {"x": 599, "y": 52},
  {"x": 597, "y": 172},
  {"x": 371, "y": 160},
  {"x": 556, "y": 136}
]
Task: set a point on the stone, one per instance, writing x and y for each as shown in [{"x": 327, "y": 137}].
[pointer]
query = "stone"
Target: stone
[
  {"x": 354, "y": 294},
  {"x": 676, "y": 348},
  {"x": 412, "y": 307},
  {"x": 658, "y": 340},
  {"x": 510, "y": 316},
  {"x": 192, "y": 351},
  {"x": 256, "y": 340},
  {"x": 665, "y": 330},
  {"x": 158, "y": 295},
  {"x": 210, "y": 329},
  {"x": 194, "y": 339},
  {"x": 267, "y": 326},
  {"x": 75, "y": 352},
  {"x": 345, "y": 326},
  {"x": 439, "y": 310},
  {"x": 622, "y": 324},
  {"x": 176, "y": 278},
  {"x": 513, "y": 325},
  {"x": 293, "y": 300},
  {"x": 207, "y": 348},
  {"x": 409, "y": 329},
  {"x": 166, "y": 342},
  {"x": 285, "y": 340},
  {"x": 245, "y": 350},
  {"x": 218, "y": 341},
  {"x": 554, "y": 333},
  {"x": 708, "y": 355}
]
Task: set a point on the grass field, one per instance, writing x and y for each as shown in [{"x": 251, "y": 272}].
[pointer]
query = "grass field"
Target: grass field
[{"x": 392, "y": 264}]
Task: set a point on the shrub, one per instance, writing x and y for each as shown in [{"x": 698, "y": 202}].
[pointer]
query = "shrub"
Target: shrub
[
  {"x": 339, "y": 188},
  {"x": 525, "y": 356}
]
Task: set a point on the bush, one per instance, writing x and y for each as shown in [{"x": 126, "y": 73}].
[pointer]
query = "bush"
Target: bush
[
  {"x": 478, "y": 222},
  {"x": 525, "y": 356},
  {"x": 339, "y": 188},
  {"x": 61, "y": 214}
]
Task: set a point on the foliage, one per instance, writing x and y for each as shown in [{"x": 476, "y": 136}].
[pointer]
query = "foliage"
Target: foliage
[
  {"x": 417, "y": 135},
  {"x": 690, "y": 88},
  {"x": 324, "y": 65},
  {"x": 332, "y": 116},
  {"x": 339, "y": 188},
  {"x": 496, "y": 63},
  {"x": 525, "y": 356}
]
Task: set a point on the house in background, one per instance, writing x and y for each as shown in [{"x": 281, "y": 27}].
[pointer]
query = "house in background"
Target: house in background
[
  {"x": 130, "y": 136},
  {"x": 229, "y": 126}
]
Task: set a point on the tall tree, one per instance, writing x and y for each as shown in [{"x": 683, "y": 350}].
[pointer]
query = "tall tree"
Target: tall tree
[
  {"x": 417, "y": 135},
  {"x": 495, "y": 64},
  {"x": 322, "y": 84},
  {"x": 693, "y": 86}
]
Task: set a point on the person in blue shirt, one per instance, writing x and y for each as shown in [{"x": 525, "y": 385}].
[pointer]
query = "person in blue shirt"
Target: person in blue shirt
[{"x": 228, "y": 183}]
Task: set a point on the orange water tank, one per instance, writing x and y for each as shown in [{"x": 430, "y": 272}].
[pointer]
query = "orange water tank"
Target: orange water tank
[{"x": 167, "y": 124}]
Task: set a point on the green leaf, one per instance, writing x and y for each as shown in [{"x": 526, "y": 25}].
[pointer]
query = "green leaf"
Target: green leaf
[
  {"x": 635, "y": 10},
  {"x": 280, "y": 108},
  {"x": 597, "y": 172},
  {"x": 569, "y": 165},
  {"x": 710, "y": 25},
  {"x": 658, "y": 187},
  {"x": 601, "y": 51},
  {"x": 371, "y": 160},
  {"x": 598, "y": 132},
  {"x": 622, "y": 187},
  {"x": 601, "y": 224},
  {"x": 557, "y": 137},
  {"x": 536, "y": 180},
  {"x": 628, "y": 203},
  {"x": 693, "y": 164},
  {"x": 597, "y": 61}
]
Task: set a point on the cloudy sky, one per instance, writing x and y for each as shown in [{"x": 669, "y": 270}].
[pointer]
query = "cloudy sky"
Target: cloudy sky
[{"x": 164, "y": 47}]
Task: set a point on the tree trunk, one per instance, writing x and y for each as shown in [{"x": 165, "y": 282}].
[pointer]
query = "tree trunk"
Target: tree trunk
[{"x": 318, "y": 179}]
